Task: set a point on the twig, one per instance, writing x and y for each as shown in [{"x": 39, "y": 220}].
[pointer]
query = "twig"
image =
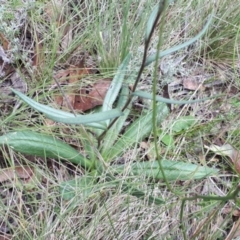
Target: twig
[{"x": 65, "y": 97}]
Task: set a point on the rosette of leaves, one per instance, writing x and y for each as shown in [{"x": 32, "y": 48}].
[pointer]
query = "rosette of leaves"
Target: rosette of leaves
[{"x": 108, "y": 125}]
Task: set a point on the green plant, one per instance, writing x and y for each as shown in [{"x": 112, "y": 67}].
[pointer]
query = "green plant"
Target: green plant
[{"x": 108, "y": 126}]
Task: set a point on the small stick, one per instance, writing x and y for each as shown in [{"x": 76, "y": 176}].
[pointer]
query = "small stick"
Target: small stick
[{"x": 65, "y": 97}]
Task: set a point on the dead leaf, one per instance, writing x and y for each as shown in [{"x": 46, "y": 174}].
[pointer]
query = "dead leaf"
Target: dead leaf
[
  {"x": 15, "y": 81},
  {"x": 4, "y": 42},
  {"x": 67, "y": 37},
  {"x": 23, "y": 172},
  {"x": 77, "y": 73},
  {"x": 72, "y": 74},
  {"x": 229, "y": 151},
  {"x": 88, "y": 98},
  {"x": 69, "y": 76},
  {"x": 38, "y": 59},
  {"x": 5, "y": 57},
  {"x": 192, "y": 84},
  {"x": 61, "y": 101},
  {"x": 85, "y": 98},
  {"x": 62, "y": 75}
]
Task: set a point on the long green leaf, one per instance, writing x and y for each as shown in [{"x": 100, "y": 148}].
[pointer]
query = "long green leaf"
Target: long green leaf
[
  {"x": 152, "y": 58},
  {"x": 139, "y": 129},
  {"x": 90, "y": 118},
  {"x": 141, "y": 195},
  {"x": 167, "y": 100},
  {"x": 116, "y": 85},
  {"x": 151, "y": 20},
  {"x": 174, "y": 170},
  {"x": 69, "y": 118},
  {"x": 113, "y": 133},
  {"x": 36, "y": 144},
  {"x": 86, "y": 186},
  {"x": 83, "y": 186},
  {"x": 42, "y": 108}
]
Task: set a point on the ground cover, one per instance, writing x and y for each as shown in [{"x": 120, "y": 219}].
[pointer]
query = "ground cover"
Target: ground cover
[{"x": 165, "y": 169}]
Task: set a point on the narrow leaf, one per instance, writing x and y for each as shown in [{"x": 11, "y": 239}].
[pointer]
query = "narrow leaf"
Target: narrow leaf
[
  {"x": 116, "y": 85},
  {"x": 152, "y": 58},
  {"x": 151, "y": 20},
  {"x": 167, "y": 100},
  {"x": 69, "y": 118},
  {"x": 42, "y": 108},
  {"x": 90, "y": 118},
  {"x": 174, "y": 170},
  {"x": 83, "y": 186},
  {"x": 141, "y": 195},
  {"x": 139, "y": 129},
  {"x": 32, "y": 143},
  {"x": 183, "y": 123},
  {"x": 113, "y": 133}
]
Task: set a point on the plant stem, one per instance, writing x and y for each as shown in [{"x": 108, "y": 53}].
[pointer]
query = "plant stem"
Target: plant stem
[{"x": 154, "y": 96}]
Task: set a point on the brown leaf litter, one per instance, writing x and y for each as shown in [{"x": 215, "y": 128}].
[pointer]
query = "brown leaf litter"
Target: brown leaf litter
[
  {"x": 229, "y": 151},
  {"x": 22, "y": 172},
  {"x": 83, "y": 98}
]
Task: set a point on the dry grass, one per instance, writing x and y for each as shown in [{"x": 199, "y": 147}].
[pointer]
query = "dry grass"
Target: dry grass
[{"x": 67, "y": 32}]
